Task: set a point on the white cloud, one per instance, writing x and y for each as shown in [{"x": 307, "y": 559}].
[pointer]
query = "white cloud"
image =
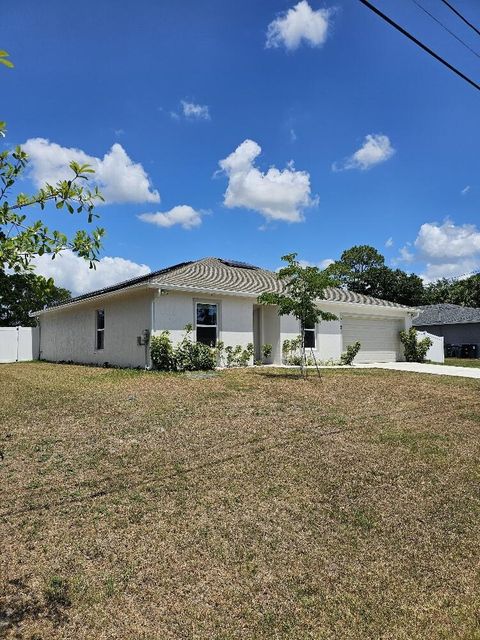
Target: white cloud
[
  {"x": 293, "y": 135},
  {"x": 389, "y": 242},
  {"x": 277, "y": 195},
  {"x": 442, "y": 242},
  {"x": 183, "y": 215},
  {"x": 448, "y": 250},
  {"x": 376, "y": 149},
  {"x": 73, "y": 273},
  {"x": 323, "y": 264},
  {"x": 119, "y": 178},
  {"x": 300, "y": 23},
  {"x": 194, "y": 111},
  {"x": 406, "y": 255},
  {"x": 465, "y": 190}
]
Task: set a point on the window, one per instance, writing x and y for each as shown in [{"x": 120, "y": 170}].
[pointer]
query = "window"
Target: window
[
  {"x": 206, "y": 323},
  {"x": 310, "y": 335},
  {"x": 100, "y": 329}
]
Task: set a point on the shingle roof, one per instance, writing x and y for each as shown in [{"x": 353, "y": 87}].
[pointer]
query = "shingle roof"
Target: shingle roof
[
  {"x": 446, "y": 314},
  {"x": 216, "y": 274}
]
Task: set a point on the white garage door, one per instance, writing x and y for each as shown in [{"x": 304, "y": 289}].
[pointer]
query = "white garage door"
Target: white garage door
[{"x": 379, "y": 338}]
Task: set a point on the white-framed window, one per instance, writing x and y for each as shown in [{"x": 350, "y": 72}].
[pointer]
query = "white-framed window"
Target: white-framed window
[
  {"x": 206, "y": 323},
  {"x": 99, "y": 329},
  {"x": 310, "y": 333}
]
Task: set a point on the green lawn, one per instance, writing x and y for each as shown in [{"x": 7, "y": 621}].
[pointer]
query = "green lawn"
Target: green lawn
[
  {"x": 463, "y": 362},
  {"x": 249, "y": 504}
]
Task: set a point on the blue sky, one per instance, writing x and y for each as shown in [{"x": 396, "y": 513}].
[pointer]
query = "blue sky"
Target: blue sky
[{"x": 178, "y": 87}]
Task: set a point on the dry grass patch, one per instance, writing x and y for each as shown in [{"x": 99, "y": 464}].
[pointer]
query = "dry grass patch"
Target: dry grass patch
[{"x": 250, "y": 504}]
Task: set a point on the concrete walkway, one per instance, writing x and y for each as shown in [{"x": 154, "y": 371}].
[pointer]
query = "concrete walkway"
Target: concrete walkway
[{"x": 416, "y": 367}]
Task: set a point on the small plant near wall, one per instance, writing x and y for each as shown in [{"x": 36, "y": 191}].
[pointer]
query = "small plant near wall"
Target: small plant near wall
[
  {"x": 292, "y": 351},
  {"x": 415, "y": 350},
  {"x": 348, "y": 356},
  {"x": 161, "y": 352},
  {"x": 186, "y": 356},
  {"x": 267, "y": 351},
  {"x": 237, "y": 356}
]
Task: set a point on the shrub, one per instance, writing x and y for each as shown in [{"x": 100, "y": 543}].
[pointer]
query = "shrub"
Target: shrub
[
  {"x": 194, "y": 356},
  {"x": 291, "y": 351},
  {"x": 267, "y": 351},
  {"x": 161, "y": 352},
  {"x": 348, "y": 356},
  {"x": 186, "y": 356},
  {"x": 237, "y": 356},
  {"x": 414, "y": 349}
]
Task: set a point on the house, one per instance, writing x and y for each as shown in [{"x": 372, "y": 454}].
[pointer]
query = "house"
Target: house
[
  {"x": 219, "y": 298},
  {"x": 459, "y": 326}
]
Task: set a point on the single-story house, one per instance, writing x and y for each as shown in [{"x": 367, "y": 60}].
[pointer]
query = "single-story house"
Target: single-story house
[
  {"x": 219, "y": 298},
  {"x": 459, "y": 326}
]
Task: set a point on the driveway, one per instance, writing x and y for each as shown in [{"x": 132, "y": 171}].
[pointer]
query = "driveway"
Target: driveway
[{"x": 416, "y": 367}]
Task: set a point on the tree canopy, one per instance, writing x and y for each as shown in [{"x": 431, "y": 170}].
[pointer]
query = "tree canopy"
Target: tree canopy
[
  {"x": 22, "y": 293},
  {"x": 362, "y": 269}
]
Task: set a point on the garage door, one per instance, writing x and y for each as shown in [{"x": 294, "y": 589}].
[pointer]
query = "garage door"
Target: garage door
[{"x": 379, "y": 338}]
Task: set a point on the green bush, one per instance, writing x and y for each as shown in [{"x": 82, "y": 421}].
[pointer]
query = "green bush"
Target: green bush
[
  {"x": 194, "y": 356},
  {"x": 414, "y": 349},
  {"x": 267, "y": 351},
  {"x": 237, "y": 356},
  {"x": 348, "y": 356},
  {"x": 186, "y": 356},
  {"x": 291, "y": 351},
  {"x": 161, "y": 352}
]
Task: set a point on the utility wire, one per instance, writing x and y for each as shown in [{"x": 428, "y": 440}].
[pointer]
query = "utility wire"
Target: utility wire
[
  {"x": 456, "y": 12},
  {"x": 396, "y": 26},
  {"x": 446, "y": 28}
]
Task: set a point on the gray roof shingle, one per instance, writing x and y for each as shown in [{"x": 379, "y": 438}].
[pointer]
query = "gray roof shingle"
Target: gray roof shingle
[
  {"x": 446, "y": 314},
  {"x": 221, "y": 275}
]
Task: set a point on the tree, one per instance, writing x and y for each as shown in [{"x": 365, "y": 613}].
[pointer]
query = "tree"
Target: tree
[
  {"x": 304, "y": 287},
  {"x": 394, "y": 285},
  {"x": 465, "y": 292},
  {"x": 362, "y": 269},
  {"x": 22, "y": 293},
  {"x": 353, "y": 264},
  {"x": 21, "y": 238}
]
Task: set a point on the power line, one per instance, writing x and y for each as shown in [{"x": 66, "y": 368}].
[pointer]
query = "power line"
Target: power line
[
  {"x": 396, "y": 26},
  {"x": 446, "y": 28},
  {"x": 456, "y": 12}
]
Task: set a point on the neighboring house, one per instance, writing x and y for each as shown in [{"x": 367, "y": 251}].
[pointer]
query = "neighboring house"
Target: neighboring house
[
  {"x": 219, "y": 298},
  {"x": 458, "y": 325}
]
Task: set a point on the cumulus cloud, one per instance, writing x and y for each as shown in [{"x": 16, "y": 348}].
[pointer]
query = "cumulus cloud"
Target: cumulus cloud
[
  {"x": 119, "y": 178},
  {"x": 73, "y": 273},
  {"x": 183, "y": 215},
  {"x": 376, "y": 149},
  {"x": 389, "y": 242},
  {"x": 446, "y": 241},
  {"x": 276, "y": 194},
  {"x": 447, "y": 250},
  {"x": 299, "y": 24}
]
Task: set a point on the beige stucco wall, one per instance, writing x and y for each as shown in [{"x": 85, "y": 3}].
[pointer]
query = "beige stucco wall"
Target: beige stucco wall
[
  {"x": 69, "y": 334},
  {"x": 328, "y": 337},
  {"x": 174, "y": 310}
]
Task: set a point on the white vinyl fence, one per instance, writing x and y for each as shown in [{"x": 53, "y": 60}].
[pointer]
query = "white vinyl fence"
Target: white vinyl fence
[
  {"x": 18, "y": 344},
  {"x": 436, "y": 352}
]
